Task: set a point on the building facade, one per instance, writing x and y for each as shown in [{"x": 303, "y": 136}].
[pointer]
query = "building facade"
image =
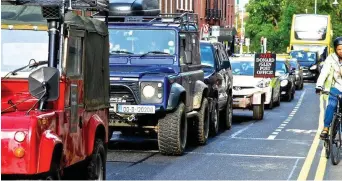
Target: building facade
[
  {"x": 212, "y": 12},
  {"x": 176, "y": 6}
]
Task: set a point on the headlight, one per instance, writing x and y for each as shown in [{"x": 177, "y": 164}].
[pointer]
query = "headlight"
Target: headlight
[
  {"x": 283, "y": 83},
  {"x": 263, "y": 84},
  {"x": 152, "y": 92},
  {"x": 149, "y": 91},
  {"x": 314, "y": 67},
  {"x": 19, "y": 136}
]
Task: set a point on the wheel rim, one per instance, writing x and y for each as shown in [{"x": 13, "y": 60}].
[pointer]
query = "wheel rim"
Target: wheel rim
[
  {"x": 99, "y": 167},
  {"x": 183, "y": 131}
]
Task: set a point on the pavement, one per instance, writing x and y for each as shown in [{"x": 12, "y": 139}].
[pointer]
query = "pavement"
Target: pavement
[{"x": 282, "y": 146}]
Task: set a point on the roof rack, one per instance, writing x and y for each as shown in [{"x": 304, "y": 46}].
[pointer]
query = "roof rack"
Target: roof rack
[
  {"x": 187, "y": 21},
  {"x": 90, "y": 5}
]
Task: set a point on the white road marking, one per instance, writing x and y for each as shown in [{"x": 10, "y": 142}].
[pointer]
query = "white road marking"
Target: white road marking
[
  {"x": 289, "y": 118},
  {"x": 245, "y": 155},
  {"x": 271, "y": 137},
  {"x": 293, "y": 169},
  {"x": 241, "y": 130}
]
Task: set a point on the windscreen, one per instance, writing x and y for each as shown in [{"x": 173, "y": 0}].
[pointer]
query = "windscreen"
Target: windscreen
[
  {"x": 19, "y": 46},
  {"x": 207, "y": 55},
  {"x": 243, "y": 68},
  {"x": 311, "y": 27},
  {"x": 141, "y": 41},
  {"x": 281, "y": 67},
  {"x": 302, "y": 56}
]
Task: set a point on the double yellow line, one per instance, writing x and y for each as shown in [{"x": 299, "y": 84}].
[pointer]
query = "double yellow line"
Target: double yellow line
[{"x": 303, "y": 175}]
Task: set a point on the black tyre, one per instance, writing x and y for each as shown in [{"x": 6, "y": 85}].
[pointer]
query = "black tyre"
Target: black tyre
[
  {"x": 302, "y": 85},
  {"x": 228, "y": 114},
  {"x": 278, "y": 100},
  {"x": 335, "y": 141},
  {"x": 214, "y": 118},
  {"x": 110, "y": 133},
  {"x": 173, "y": 132},
  {"x": 258, "y": 111},
  {"x": 97, "y": 162},
  {"x": 201, "y": 126},
  {"x": 55, "y": 171},
  {"x": 270, "y": 105}
]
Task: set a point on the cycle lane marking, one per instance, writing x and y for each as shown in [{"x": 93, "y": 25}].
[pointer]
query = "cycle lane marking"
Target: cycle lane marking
[{"x": 288, "y": 119}]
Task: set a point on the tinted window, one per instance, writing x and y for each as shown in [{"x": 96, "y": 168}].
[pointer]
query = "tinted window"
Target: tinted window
[
  {"x": 281, "y": 67},
  {"x": 302, "y": 56},
  {"x": 142, "y": 41},
  {"x": 207, "y": 55}
]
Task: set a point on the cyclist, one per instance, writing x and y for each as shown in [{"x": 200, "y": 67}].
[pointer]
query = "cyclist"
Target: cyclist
[{"x": 331, "y": 78}]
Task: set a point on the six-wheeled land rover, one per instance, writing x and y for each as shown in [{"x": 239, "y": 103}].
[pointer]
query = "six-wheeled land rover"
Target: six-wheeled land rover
[
  {"x": 54, "y": 89},
  {"x": 156, "y": 80}
]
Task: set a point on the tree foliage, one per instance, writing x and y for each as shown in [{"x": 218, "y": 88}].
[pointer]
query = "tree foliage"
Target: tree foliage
[{"x": 273, "y": 19}]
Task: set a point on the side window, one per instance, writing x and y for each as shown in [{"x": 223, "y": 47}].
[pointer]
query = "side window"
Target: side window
[
  {"x": 74, "y": 56},
  {"x": 195, "y": 50},
  {"x": 182, "y": 42}
]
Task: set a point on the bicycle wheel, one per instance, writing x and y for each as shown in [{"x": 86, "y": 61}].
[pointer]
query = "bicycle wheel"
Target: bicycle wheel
[{"x": 335, "y": 141}]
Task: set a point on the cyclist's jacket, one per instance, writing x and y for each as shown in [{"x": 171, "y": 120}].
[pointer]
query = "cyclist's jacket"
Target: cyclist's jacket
[{"x": 331, "y": 74}]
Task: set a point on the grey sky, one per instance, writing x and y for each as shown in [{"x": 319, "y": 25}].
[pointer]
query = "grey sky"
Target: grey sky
[{"x": 242, "y": 3}]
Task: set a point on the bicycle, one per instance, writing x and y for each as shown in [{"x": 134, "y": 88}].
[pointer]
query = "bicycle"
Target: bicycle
[{"x": 333, "y": 141}]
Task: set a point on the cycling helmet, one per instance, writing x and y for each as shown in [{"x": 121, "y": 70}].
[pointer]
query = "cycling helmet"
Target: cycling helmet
[{"x": 337, "y": 41}]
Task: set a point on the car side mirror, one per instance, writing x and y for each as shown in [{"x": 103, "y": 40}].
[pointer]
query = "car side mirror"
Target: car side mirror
[
  {"x": 225, "y": 64},
  {"x": 188, "y": 57},
  {"x": 44, "y": 83},
  {"x": 230, "y": 53}
]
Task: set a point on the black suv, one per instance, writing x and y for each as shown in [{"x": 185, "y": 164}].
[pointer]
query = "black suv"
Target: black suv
[{"x": 218, "y": 76}]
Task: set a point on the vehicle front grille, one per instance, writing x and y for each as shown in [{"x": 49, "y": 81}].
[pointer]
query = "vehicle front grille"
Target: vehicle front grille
[{"x": 125, "y": 92}]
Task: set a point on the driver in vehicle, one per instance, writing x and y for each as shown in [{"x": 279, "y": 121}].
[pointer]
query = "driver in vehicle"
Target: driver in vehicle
[{"x": 331, "y": 78}]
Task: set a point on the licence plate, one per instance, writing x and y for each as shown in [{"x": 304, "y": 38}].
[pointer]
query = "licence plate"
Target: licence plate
[
  {"x": 136, "y": 109},
  {"x": 305, "y": 73}
]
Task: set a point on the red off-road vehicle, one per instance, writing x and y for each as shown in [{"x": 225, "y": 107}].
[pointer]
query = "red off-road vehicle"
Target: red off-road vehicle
[{"x": 54, "y": 89}]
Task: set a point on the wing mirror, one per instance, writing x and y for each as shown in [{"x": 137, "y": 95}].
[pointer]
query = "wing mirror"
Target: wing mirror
[
  {"x": 226, "y": 64},
  {"x": 44, "y": 84}
]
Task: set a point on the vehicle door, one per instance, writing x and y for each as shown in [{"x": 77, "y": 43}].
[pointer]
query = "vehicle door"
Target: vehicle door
[
  {"x": 222, "y": 88},
  {"x": 187, "y": 68},
  {"x": 228, "y": 70},
  {"x": 74, "y": 107},
  {"x": 291, "y": 74}
]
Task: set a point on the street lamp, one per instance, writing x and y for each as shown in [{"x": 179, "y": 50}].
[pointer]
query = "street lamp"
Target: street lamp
[{"x": 335, "y": 3}]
